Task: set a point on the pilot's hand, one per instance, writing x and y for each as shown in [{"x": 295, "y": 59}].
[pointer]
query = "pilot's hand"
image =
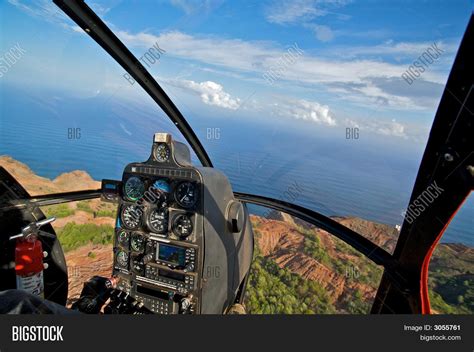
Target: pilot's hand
[{"x": 94, "y": 294}]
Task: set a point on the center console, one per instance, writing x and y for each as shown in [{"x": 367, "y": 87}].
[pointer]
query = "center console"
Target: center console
[{"x": 182, "y": 244}]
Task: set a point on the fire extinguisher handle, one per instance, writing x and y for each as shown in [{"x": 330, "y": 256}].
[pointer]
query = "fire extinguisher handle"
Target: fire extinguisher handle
[
  {"x": 45, "y": 221},
  {"x": 20, "y": 235},
  {"x": 33, "y": 228}
]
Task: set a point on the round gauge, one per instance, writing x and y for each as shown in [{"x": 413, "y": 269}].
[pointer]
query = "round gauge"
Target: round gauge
[
  {"x": 131, "y": 215},
  {"x": 186, "y": 194},
  {"x": 123, "y": 238},
  {"x": 134, "y": 188},
  {"x": 162, "y": 152},
  {"x": 122, "y": 259},
  {"x": 183, "y": 226},
  {"x": 161, "y": 188},
  {"x": 158, "y": 220},
  {"x": 137, "y": 243}
]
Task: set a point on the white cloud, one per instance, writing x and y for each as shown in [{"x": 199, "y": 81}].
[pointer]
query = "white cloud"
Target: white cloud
[
  {"x": 358, "y": 76},
  {"x": 322, "y": 115},
  {"x": 193, "y": 6},
  {"x": 316, "y": 112},
  {"x": 242, "y": 55},
  {"x": 305, "y": 110},
  {"x": 409, "y": 50},
  {"x": 230, "y": 53},
  {"x": 282, "y": 12},
  {"x": 211, "y": 93},
  {"x": 43, "y": 9},
  {"x": 48, "y": 11},
  {"x": 380, "y": 126},
  {"x": 323, "y": 33},
  {"x": 377, "y": 97},
  {"x": 297, "y": 11},
  {"x": 393, "y": 128}
]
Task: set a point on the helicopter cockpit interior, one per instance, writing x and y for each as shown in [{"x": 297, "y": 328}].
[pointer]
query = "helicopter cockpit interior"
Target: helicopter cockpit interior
[{"x": 184, "y": 241}]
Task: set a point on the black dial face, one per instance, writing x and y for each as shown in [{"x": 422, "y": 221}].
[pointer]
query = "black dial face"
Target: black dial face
[
  {"x": 183, "y": 226},
  {"x": 158, "y": 220},
  {"x": 131, "y": 216},
  {"x": 186, "y": 194},
  {"x": 122, "y": 259},
  {"x": 123, "y": 238},
  {"x": 137, "y": 243},
  {"x": 162, "y": 152},
  {"x": 134, "y": 188}
]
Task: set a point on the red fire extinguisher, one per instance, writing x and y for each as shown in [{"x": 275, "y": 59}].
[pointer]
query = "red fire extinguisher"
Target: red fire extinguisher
[
  {"x": 29, "y": 265},
  {"x": 29, "y": 256}
]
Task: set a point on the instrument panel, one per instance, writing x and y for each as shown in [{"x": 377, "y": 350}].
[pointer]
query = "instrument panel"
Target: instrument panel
[
  {"x": 158, "y": 233},
  {"x": 175, "y": 224},
  {"x": 163, "y": 207}
]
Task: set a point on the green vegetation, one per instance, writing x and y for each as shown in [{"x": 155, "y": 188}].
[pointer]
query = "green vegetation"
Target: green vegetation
[
  {"x": 73, "y": 236},
  {"x": 58, "y": 211},
  {"x": 343, "y": 247},
  {"x": 440, "y": 306},
  {"x": 64, "y": 210},
  {"x": 272, "y": 290},
  {"x": 452, "y": 294},
  {"x": 103, "y": 209},
  {"x": 84, "y": 206},
  {"x": 355, "y": 304},
  {"x": 355, "y": 267},
  {"x": 275, "y": 290},
  {"x": 110, "y": 213},
  {"x": 313, "y": 248},
  {"x": 451, "y": 280}
]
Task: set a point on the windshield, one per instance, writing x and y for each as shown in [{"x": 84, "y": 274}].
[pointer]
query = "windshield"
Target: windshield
[{"x": 318, "y": 104}]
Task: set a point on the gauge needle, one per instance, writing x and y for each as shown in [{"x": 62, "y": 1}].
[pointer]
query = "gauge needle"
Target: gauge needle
[{"x": 187, "y": 192}]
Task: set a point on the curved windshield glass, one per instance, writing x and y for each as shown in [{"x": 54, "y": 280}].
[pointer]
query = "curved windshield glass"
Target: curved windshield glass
[
  {"x": 336, "y": 99},
  {"x": 300, "y": 269},
  {"x": 323, "y": 104}
]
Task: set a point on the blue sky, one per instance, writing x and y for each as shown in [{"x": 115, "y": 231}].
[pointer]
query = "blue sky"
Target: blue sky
[{"x": 347, "y": 73}]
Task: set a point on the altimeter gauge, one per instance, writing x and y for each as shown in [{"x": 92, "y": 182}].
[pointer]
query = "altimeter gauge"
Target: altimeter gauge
[
  {"x": 131, "y": 216},
  {"x": 158, "y": 220}
]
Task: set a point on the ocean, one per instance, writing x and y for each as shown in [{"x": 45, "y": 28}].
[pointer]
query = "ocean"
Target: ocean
[{"x": 368, "y": 177}]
